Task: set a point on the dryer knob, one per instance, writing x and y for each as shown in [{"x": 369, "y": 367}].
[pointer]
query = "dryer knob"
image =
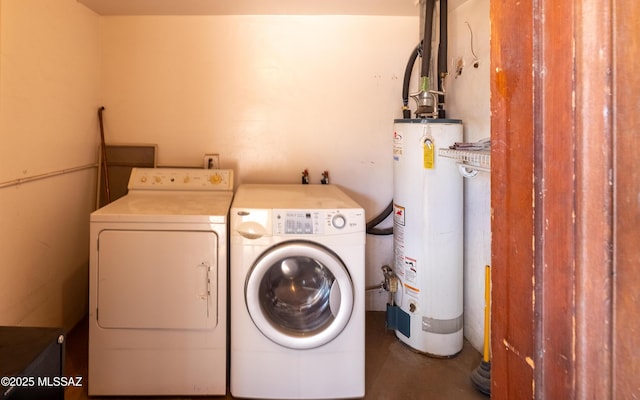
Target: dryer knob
[{"x": 215, "y": 179}]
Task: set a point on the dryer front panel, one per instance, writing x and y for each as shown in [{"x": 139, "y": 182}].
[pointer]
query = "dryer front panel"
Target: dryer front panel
[
  {"x": 299, "y": 294},
  {"x": 157, "y": 279}
]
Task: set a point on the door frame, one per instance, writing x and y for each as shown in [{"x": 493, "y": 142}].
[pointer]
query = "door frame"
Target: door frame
[{"x": 565, "y": 199}]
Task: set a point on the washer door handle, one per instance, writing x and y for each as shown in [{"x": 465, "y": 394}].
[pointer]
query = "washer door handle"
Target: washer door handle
[
  {"x": 334, "y": 298},
  {"x": 251, "y": 230}
]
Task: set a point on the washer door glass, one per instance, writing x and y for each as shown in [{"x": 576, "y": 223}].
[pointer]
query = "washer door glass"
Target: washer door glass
[{"x": 299, "y": 295}]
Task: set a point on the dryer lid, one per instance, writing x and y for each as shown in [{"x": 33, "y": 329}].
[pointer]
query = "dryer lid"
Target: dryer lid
[{"x": 169, "y": 206}]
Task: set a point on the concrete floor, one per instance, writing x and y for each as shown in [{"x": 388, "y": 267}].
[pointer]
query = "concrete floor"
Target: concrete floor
[{"x": 393, "y": 371}]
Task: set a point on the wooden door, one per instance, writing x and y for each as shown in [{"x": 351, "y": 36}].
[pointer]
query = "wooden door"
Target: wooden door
[{"x": 565, "y": 199}]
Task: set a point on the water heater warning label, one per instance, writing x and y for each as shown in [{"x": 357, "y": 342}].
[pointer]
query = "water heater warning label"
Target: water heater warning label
[
  {"x": 411, "y": 270},
  {"x": 398, "y": 145},
  {"x": 398, "y": 215}
]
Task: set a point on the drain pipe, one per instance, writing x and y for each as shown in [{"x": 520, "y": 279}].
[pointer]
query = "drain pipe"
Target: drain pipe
[{"x": 371, "y": 225}]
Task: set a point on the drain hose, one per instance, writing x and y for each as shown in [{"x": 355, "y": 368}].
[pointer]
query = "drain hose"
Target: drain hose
[{"x": 371, "y": 225}]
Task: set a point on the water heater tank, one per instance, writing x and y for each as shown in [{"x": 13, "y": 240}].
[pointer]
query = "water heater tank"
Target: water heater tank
[{"x": 428, "y": 236}]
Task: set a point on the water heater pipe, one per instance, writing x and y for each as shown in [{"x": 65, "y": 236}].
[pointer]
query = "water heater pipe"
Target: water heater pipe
[
  {"x": 425, "y": 52},
  {"x": 406, "y": 112},
  {"x": 427, "y": 96},
  {"x": 442, "y": 55},
  {"x": 426, "y": 39}
]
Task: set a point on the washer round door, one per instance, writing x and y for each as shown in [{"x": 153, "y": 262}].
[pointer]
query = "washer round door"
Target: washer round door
[{"x": 299, "y": 295}]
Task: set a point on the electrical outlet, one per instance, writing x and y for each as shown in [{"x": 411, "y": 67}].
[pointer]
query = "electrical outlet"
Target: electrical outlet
[{"x": 211, "y": 161}]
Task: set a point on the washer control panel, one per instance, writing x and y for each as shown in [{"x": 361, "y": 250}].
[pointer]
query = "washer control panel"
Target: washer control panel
[
  {"x": 180, "y": 179},
  {"x": 317, "y": 222}
]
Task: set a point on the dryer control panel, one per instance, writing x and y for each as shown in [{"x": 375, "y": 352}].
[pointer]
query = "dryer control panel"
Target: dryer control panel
[
  {"x": 317, "y": 222},
  {"x": 180, "y": 179}
]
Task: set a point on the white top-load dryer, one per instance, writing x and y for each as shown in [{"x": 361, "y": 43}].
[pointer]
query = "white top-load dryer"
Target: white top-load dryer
[
  {"x": 158, "y": 285},
  {"x": 297, "y": 283}
]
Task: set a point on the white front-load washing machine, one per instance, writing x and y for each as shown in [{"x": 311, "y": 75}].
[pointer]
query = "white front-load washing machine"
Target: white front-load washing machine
[
  {"x": 158, "y": 285},
  {"x": 297, "y": 286}
]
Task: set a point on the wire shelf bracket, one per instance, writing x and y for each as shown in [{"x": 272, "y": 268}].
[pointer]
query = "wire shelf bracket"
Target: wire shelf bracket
[{"x": 469, "y": 162}]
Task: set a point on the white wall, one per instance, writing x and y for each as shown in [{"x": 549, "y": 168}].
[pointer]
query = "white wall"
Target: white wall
[
  {"x": 48, "y": 100},
  {"x": 272, "y": 95},
  {"x": 469, "y": 100}
]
